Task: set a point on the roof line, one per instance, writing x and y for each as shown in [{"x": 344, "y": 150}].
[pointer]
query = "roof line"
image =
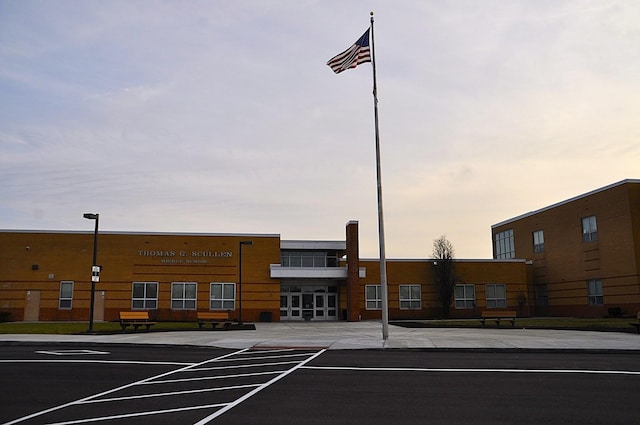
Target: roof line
[
  {"x": 566, "y": 201},
  {"x": 115, "y": 232}
]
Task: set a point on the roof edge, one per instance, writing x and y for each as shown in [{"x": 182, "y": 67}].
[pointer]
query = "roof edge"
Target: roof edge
[{"x": 566, "y": 201}]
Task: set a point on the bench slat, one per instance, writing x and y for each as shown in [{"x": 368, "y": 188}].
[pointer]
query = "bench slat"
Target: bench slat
[
  {"x": 218, "y": 319},
  {"x": 497, "y": 315},
  {"x": 135, "y": 319}
]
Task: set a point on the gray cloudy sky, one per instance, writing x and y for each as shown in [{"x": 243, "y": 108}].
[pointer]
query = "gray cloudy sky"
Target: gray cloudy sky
[{"x": 222, "y": 117}]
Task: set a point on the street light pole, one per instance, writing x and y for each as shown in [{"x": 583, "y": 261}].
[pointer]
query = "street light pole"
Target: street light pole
[
  {"x": 95, "y": 217},
  {"x": 242, "y": 243}
]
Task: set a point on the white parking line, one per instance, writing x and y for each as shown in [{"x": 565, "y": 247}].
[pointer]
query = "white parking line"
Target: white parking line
[
  {"x": 75, "y": 402},
  {"x": 72, "y": 352},
  {"x": 170, "y": 393},
  {"x": 133, "y": 415},
  {"x": 124, "y": 362},
  {"x": 466, "y": 370},
  {"x": 207, "y": 378},
  {"x": 257, "y": 390},
  {"x": 200, "y": 369}
]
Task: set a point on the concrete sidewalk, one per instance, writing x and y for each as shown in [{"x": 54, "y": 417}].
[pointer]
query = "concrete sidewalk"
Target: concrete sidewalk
[{"x": 362, "y": 335}]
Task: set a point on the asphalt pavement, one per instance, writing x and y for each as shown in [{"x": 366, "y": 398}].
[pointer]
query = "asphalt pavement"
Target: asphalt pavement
[{"x": 360, "y": 335}]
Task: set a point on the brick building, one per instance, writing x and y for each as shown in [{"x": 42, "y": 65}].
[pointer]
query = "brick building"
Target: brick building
[
  {"x": 579, "y": 257},
  {"x": 46, "y": 275},
  {"x": 584, "y": 251}
]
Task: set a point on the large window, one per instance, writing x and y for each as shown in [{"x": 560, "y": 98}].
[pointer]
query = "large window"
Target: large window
[
  {"x": 307, "y": 259},
  {"x": 373, "y": 297},
  {"x": 410, "y": 298},
  {"x": 496, "y": 296},
  {"x": 538, "y": 241},
  {"x": 145, "y": 296},
  {"x": 465, "y": 296},
  {"x": 183, "y": 295},
  {"x": 223, "y": 296},
  {"x": 594, "y": 286},
  {"x": 66, "y": 295},
  {"x": 504, "y": 246},
  {"x": 589, "y": 229}
]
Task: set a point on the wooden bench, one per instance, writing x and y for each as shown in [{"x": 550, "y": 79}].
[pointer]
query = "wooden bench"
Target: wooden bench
[
  {"x": 218, "y": 319},
  {"x": 636, "y": 324},
  {"x": 135, "y": 319},
  {"x": 498, "y": 315}
]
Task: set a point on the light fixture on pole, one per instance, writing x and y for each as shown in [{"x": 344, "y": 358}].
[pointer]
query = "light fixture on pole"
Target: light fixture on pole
[
  {"x": 242, "y": 243},
  {"x": 95, "y": 269}
]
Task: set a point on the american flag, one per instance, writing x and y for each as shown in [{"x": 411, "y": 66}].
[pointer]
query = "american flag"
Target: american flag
[{"x": 353, "y": 56}]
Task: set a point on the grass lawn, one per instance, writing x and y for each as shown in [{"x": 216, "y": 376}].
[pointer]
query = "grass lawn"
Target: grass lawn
[
  {"x": 82, "y": 327},
  {"x": 600, "y": 324},
  {"x": 569, "y": 323}
]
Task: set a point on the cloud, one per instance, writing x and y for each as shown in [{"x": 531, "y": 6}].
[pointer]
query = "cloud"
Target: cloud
[{"x": 223, "y": 117}]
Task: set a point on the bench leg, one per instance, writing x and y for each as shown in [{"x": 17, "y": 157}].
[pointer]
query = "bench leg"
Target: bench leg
[
  {"x": 513, "y": 323},
  {"x": 497, "y": 322},
  {"x": 135, "y": 328},
  {"x": 200, "y": 325},
  {"x": 148, "y": 326},
  {"x": 482, "y": 321},
  {"x": 124, "y": 328}
]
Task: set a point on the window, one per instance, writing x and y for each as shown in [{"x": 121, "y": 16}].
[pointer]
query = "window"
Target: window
[
  {"x": 538, "y": 241},
  {"x": 595, "y": 292},
  {"x": 303, "y": 259},
  {"x": 504, "y": 246},
  {"x": 589, "y": 229},
  {"x": 410, "y": 298},
  {"x": 496, "y": 296},
  {"x": 223, "y": 296},
  {"x": 373, "y": 297},
  {"x": 145, "y": 296},
  {"x": 66, "y": 295},
  {"x": 183, "y": 295},
  {"x": 465, "y": 296}
]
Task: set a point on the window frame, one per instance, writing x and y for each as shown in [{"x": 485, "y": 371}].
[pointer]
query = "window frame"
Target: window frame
[
  {"x": 61, "y": 298},
  {"x": 148, "y": 302},
  {"x": 495, "y": 301},
  {"x": 226, "y": 303},
  {"x": 504, "y": 245},
  {"x": 595, "y": 292},
  {"x": 374, "y": 303},
  {"x": 589, "y": 229},
  {"x": 538, "y": 241},
  {"x": 414, "y": 301},
  {"x": 184, "y": 299},
  {"x": 464, "y": 302}
]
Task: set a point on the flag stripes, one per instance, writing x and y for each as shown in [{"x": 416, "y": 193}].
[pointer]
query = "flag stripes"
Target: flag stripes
[{"x": 355, "y": 55}]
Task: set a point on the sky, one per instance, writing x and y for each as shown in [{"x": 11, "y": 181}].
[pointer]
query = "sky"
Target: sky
[{"x": 222, "y": 116}]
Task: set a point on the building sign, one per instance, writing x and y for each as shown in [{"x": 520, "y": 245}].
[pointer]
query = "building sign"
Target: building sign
[{"x": 184, "y": 257}]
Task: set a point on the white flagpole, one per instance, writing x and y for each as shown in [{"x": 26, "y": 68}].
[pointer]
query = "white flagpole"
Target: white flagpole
[{"x": 383, "y": 260}]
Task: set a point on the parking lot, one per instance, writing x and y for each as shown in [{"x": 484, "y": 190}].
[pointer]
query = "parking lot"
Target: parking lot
[{"x": 117, "y": 384}]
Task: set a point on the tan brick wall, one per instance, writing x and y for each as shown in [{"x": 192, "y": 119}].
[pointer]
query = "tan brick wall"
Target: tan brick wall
[
  {"x": 567, "y": 263},
  {"x": 479, "y": 273},
  {"x": 128, "y": 258}
]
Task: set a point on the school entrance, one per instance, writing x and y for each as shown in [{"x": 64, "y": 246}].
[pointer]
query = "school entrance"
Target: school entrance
[{"x": 308, "y": 302}]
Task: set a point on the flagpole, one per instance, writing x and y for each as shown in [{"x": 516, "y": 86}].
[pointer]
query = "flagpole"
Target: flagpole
[{"x": 383, "y": 260}]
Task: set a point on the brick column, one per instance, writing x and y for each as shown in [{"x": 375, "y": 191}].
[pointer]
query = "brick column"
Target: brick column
[{"x": 353, "y": 266}]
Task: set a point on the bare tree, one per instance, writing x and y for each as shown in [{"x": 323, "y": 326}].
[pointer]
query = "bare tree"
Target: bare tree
[{"x": 443, "y": 254}]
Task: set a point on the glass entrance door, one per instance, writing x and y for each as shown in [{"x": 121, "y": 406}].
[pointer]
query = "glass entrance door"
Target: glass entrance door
[{"x": 309, "y": 303}]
